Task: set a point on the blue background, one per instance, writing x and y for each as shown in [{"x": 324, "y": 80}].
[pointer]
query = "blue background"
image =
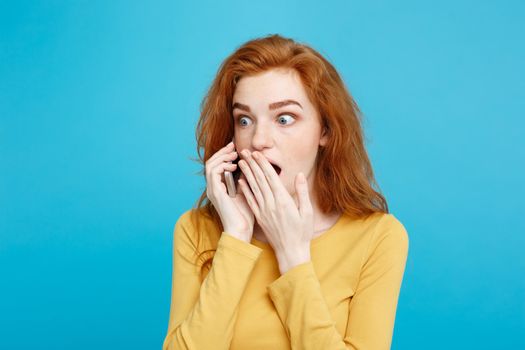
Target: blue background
[{"x": 98, "y": 105}]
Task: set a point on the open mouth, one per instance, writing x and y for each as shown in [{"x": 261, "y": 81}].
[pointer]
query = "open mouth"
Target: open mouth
[{"x": 277, "y": 169}]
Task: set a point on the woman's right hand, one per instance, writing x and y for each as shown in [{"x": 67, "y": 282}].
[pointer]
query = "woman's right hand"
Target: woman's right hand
[{"x": 236, "y": 216}]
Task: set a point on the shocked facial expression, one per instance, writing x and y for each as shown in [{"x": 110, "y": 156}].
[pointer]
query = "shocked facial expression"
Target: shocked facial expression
[{"x": 273, "y": 115}]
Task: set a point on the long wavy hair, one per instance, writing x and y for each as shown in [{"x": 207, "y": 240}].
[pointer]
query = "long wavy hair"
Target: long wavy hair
[{"x": 344, "y": 179}]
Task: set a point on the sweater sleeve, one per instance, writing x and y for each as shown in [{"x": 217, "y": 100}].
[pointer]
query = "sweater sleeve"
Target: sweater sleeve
[
  {"x": 203, "y": 316},
  {"x": 304, "y": 313}
]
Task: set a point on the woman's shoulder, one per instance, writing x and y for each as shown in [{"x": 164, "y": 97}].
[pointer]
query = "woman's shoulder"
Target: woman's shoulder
[
  {"x": 383, "y": 220},
  {"x": 380, "y": 227},
  {"x": 194, "y": 225},
  {"x": 389, "y": 231},
  {"x": 190, "y": 217},
  {"x": 391, "y": 223}
]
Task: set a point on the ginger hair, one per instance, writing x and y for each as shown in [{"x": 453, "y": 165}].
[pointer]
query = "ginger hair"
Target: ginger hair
[{"x": 344, "y": 179}]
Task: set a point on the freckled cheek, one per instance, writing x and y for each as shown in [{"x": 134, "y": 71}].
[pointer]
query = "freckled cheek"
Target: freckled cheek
[
  {"x": 242, "y": 140},
  {"x": 301, "y": 148},
  {"x": 299, "y": 158}
]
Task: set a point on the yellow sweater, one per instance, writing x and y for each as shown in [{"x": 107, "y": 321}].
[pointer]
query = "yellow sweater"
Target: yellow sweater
[{"x": 344, "y": 298}]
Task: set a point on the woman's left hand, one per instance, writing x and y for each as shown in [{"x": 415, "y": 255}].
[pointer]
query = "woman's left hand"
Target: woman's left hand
[{"x": 288, "y": 229}]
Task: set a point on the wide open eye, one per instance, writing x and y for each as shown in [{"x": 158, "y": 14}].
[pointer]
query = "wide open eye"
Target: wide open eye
[
  {"x": 243, "y": 121},
  {"x": 286, "y": 117}
]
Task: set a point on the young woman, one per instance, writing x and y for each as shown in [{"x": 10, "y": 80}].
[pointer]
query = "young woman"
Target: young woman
[{"x": 305, "y": 255}]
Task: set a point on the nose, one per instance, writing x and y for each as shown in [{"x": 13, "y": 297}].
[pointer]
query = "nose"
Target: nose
[{"x": 263, "y": 137}]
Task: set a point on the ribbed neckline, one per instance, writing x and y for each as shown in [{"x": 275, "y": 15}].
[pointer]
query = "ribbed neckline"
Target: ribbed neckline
[{"x": 313, "y": 242}]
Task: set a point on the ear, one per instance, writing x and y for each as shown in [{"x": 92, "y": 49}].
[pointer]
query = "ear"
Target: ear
[{"x": 324, "y": 137}]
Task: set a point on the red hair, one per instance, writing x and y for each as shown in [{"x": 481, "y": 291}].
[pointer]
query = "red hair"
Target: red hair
[{"x": 344, "y": 178}]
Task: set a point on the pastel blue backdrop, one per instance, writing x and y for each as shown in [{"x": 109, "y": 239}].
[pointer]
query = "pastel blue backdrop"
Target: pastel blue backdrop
[{"x": 98, "y": 106}]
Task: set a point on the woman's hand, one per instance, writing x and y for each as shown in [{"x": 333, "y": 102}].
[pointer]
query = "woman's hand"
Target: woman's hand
[
  {"x": 236, "y": 217},
  {"x": 288, "y": 229}
]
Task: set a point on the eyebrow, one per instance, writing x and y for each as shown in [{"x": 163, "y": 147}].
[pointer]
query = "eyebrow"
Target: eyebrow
[{"x": 271, "y": 106}]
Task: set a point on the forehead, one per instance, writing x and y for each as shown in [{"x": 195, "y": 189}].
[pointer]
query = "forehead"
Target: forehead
[{"x": 269, "y": 86}]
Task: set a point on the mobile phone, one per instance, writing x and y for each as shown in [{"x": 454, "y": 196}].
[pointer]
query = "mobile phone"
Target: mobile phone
[{"x": 232, "y": 178}]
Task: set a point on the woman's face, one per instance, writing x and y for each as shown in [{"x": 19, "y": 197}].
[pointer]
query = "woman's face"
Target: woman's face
[{"x": 289, "y": 133}]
